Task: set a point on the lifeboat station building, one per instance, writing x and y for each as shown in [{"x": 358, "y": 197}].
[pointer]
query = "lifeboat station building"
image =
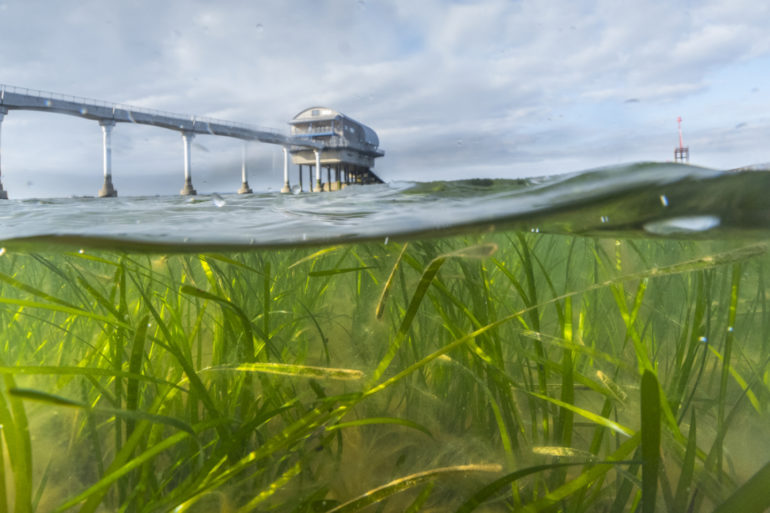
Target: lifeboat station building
[{"x": 347, "y": 155}]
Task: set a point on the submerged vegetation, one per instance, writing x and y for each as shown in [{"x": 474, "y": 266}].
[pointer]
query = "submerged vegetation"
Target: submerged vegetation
[{"x": 503, "y": 372}]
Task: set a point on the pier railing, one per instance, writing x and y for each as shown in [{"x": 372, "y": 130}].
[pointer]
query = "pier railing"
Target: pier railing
[{"x": 47, "y": 95}]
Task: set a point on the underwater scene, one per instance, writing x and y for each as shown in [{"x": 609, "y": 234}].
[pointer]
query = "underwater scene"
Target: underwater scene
[{"x": 591, "y": 342}]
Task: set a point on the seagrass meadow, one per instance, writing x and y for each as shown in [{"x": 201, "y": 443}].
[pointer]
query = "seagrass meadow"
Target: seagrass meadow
[{"x": 491, "y": 372}]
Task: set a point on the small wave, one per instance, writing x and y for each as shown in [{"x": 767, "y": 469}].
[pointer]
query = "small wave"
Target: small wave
[{"x": 641, "y": 199}]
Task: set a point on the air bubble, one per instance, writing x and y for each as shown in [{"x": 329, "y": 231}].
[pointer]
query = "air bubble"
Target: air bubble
[
  {"x": 663, "y": 200},
  {"x": 386, "y": 240},
  {"x": 2, "y": 251},
  {"x": 730, "y": 329},
  {"x": 219, "y": 201},
  {"x": 604, "y": 219},
  {"x": 83, "y": 111},
  {"x": 82, "y": 251},
  {"x": 703, "y": 340}
]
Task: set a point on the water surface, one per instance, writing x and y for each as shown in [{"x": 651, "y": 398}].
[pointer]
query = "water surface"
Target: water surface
[{"x": 646, "y": 199}]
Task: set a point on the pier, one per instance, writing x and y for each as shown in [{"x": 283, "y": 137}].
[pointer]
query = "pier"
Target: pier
[{"x": 353, "y": 167}]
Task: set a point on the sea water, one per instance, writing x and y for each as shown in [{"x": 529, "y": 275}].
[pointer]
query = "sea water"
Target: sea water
[{"x": 591, "y": 342}]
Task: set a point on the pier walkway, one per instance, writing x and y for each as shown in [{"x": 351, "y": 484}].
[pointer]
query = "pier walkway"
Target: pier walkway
[{"x": 109, "y": 114}]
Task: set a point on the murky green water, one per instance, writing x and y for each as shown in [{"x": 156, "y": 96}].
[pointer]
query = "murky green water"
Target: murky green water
[{"x": 484, "y": 369}]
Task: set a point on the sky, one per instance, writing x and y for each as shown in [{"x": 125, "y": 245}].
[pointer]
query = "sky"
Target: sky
[{"x": 454, "y": 89}]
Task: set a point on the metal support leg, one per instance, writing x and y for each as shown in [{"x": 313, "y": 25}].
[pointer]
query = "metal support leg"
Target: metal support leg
[
  {"x": 3, "y": 192},
  {"x": 188, "y": 189},
  {"x": 286, "y": 187},
  {"x": 107, "y": 190},
  {"x": 245, "y": 189},
  {"x": 329, "y": 178},
  {"x": 317, "y": 170}
]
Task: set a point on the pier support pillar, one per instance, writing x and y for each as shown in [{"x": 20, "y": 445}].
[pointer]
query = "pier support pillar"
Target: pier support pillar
[
  {"x": 188, "y": 189},
  {"x": 300, "y": 178},
  {"x": 245, "y": 189},
  {"x": 286, "y": 187},
  {"x": 317, "y": 170},
  {"x": 107, "y": 190},
  {"x": 3, "y": 192},
  {"x": 337, "y": 177}
]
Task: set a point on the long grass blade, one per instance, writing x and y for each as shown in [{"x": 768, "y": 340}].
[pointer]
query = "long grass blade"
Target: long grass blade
[
  {"x": 3, "y": 488},
  {"x": 688, "y": 468},
  {"x": 389, "y": 283},
  {"x": 287, "y": 369},
  {"x": 88, "y": 372},
  {"x": 493, "y": 488},
  {"x": 591, "y": 475},
  {"x": 404, "y": 483},
  {"x": 133, "y": 415},
  {"x": 10, "y": 280},
  {"x": 381, "y": 420},
  {"x": 480, "y": 251},
  {"x": 422, "y": 497},
  {"x": 422, "y": 288},
  {"x": 751, "y": 497},
  {"x": 272, "y": 489},
  {"x": 56, "y": 307},
  {"x": 650, "y": 440},
  {"x": 593, "y": 417},
  {"x": 342, "y": 270},
  {"x": 93, "y": 495},
  {"x": 135, "y": 367}
]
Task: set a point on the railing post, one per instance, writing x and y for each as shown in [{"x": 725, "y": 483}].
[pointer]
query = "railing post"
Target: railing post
[
  {"x": 188, "y": 189},
  {"x": 286, "y": 187},
  {"x": 245, "y": 189},
  {"x": 3, "y": 192},
  {"x": 317, "y": 170},
  {"x": 107, "y": 190}
]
